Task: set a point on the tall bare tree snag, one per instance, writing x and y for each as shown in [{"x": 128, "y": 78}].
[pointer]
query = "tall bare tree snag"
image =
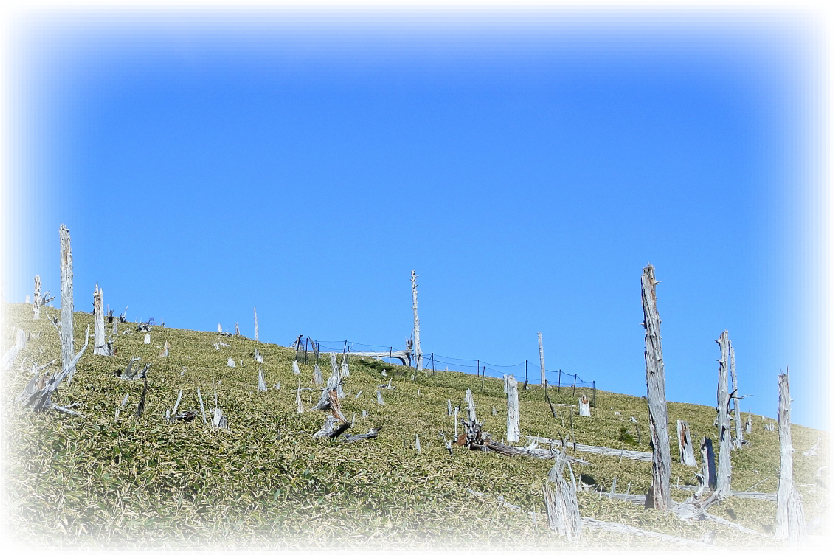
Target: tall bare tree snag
[
  {"x": 99, "y": 340},
  {"x": 685, "y": 445},
  {"x": 735, "y": 395},
  {"x": 541, "y": 358},
  {"x": 416, "y": 344},
  {"x": 36, "y": 301},
  {"x": 656, "y": 396},
  {"x": 723, "y": 401},
  {"x": 336, "y": 376},
  {"x": 255, "y": 314},
  {"x": 791, "y": 524},
  {"x": 67, "y": 350},
  {"x": 561, "y": 504},
  {"x": 512, "y": 410}
]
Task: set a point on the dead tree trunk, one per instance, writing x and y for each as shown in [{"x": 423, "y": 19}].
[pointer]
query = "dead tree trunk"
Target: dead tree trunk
[
  {"x": 416, "y": 344},
  {"x": 36, "y": 300},
  {"x": 791, "y": 524},
  {"x": 723, "y": 474},
  {"x": 541, "y": 359},
  {"x": 656, "y": 396},
  {"x": 336, "y": 375},
  {"x": 735, "y": 394},
  {"x": 584, "y": 408},
  {"x": 99, "y": 340},
  {"x": 708, "y": 466},
  {"x": 685, "y": 446},
  {"x": 561, "y": 501},
  {"x": 262, "y": 385},
  {"x": 471, "y": 407},
  {"x": 67, "y": 347},
  {"x": 317, "y": 375},
  {"x": 512, "y": 410},
  {"x": 255, "y": 314}
]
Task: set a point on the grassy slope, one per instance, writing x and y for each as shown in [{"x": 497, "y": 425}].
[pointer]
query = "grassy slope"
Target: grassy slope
[{"x": 266, "y": 483}]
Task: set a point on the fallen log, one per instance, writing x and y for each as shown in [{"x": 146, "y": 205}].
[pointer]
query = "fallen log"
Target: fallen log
[
  {"x": 372, "y": 433},
  {"x": 627, "y": 529},
  {"x": 633, "y": 455}
]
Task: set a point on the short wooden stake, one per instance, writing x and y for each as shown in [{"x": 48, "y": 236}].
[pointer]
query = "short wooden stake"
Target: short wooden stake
[{"x": 512, "y": 410}]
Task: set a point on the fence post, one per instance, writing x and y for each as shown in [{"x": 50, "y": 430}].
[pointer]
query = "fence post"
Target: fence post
[
  {"x": 526, "y": 374},
  {"x": 541, "y": 357},
  {"x": 559, "y": 379},
  {"x": 574, "y": 384},
  {"x": 482, "y": 378},
  {"x": 593, "y": 393},
  {"x": 433, "y": 364}
]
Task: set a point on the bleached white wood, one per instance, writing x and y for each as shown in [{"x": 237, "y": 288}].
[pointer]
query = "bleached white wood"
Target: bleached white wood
[
  {"x": 380, "y": 398},
  {"x": 67, "y": 349},
  {"x": 36, "y": 301},
  {"x": 147, "y": 338},
  {"x": 202, "y": 410},
  {"x": 584, "y": 406},
  {"x": 455, "y": 421},
  {"x": 11, "y": 354},
  {"x": 541, "y": 358},
  {"x": 317, "y": 375},
  {"x": 336, "y": 376},
  {"x": 416, "y": 345},
  {"x": 417, "y": 443},
  {"x": 262, "y": 385},
  {"x": 296, "y": 368},
  {"x": 255, "y": 315},
  {"x": 219, "y": 329},
  {"x": 708, "y": 474},
  {"x": 344, "y": 370},
  {"x": 299, "y": 406},
  {"x": 561, "y": 504},
  {"x": 237, "y": 330},
  {"x": 165, "y": 348},
  {"x": 656, "y": 396},
  {"x": 737, "y": 443},
  {"x": 791, "y": 524},
  {"x": 723, "y": 472},
  {"x": 685, "y": 445},
  {"x": 230, "y": 362},
  {"x": 748, "y": 424},
  {"x": 512, "y": 409},
  {"x": 448, "y": 407},
  {"x": 471, "y": 406},
  {"x": 99, "y": 340}
]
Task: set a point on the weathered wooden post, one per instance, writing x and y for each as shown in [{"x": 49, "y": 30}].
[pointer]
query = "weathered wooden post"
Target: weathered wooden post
[
  {"x": 418, "y": 354},
  {"x": 737, "y": 415},
  {"x": 723, "y": 473},
  {"x": 262, "y": 384},
  {"x": 512, "y": 409},
  {"x": 67, "y": 347},
  {"x": 255, "y": 314},
  {"x": 791, "y": 524},
  {"x": 656, "y": 396},
  {"x": 36, "y": 301},
  {"x": 471, "y": 406},
  {"x": 541, "y": 359},
  {"x": 99, "y": 340},
  {"x": 317, "y": 375},
  {"x": 685, "y": 445}
]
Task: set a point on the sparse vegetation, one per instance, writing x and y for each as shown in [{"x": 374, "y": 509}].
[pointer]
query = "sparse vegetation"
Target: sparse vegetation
[{"x": 265, "y": 482}]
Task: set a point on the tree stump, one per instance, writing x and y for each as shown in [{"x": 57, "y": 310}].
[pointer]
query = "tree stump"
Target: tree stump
[
  {"x": 584, "y": 406},
  {"x": 685, "y": 446},
  {"x": 561, "y": 501},
  {"x": 512, "y": 410}
]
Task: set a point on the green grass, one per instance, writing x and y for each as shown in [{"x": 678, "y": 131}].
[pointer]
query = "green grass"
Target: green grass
[{"x": 266, "y": 482}]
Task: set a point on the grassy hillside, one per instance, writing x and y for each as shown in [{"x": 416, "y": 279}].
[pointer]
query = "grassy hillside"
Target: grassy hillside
[{"x": 265, "y": 482}]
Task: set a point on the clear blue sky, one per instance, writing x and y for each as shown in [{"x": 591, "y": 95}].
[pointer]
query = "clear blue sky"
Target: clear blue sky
[{"x": 526, "y": 165}]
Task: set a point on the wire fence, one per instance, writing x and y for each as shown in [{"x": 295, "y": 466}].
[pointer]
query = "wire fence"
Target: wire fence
[{"x": 528, "y": 371}]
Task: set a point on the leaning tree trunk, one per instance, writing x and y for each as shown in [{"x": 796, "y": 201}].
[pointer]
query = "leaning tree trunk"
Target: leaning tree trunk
[
  {"x": 67, "y": 348},
  {"x": 99, "y": 340},
  {"x": 656, "y": 396},
  {"x": 512, "y": 410},
  {"x": 790, "y": 520},
  {"x": 737, "y": 415},
  {"x": 723, "y": 473}
]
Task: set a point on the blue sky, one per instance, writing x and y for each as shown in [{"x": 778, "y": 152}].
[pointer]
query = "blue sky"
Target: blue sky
[{"x": 526, "y": 164}]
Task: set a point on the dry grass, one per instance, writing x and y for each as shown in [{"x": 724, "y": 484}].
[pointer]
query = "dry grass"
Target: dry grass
[{"x": 267, "y": 483}]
